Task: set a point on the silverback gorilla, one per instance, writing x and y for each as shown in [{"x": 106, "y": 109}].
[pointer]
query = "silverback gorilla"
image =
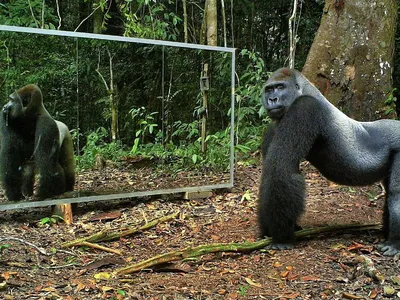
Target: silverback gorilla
[
  {"x": 32, "y": 141},
  {"x": 307, "y": 126}
]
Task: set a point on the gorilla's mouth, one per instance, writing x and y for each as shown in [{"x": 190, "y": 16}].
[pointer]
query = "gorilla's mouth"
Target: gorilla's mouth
[{"x": 276, "y": 112}]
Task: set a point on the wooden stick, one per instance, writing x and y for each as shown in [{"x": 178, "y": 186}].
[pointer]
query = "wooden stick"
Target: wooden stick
[
  {"x": 233, "y": 247},
  {"x": 99, "y": 247},
  {"x": 105, "y": 236}
]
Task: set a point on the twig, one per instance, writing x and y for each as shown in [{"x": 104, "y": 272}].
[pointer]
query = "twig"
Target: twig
[
  {"x": 99, "y": 247},
  {"x": 22, "y": 241},
  {"x": 59, "y": 15},
  {"x": 232, "y": 247},
  {"x": 110, "y": 236},
  {"x": 58, "y": 267},
  {"x": 32, "y": 13},
  {"x": 86, "y": 18},
  {"x": 383, "y": 192}
]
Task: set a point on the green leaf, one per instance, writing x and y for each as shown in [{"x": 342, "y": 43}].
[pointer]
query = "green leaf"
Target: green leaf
[{"x": 135, "y": 146}]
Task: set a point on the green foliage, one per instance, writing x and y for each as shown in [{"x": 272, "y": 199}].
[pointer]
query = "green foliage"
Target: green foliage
[
  {"x": 249, "y": 109},
  {"x": 391, "y": 102},
  {"x": 145, "y": 124},
  {"x": 28, "y": 13},
  {"x": 50, "y": 220},
  {"x": 3, "y": 247},
  {"x": 96, "y": 143},
  {"x": 186, "y": 130},
  {"x": 156, "y": 23},
  {"x": 243, "y": 290}
]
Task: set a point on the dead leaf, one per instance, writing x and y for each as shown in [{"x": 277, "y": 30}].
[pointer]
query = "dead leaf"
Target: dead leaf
[
  {"x": 174, "y": 267},
  {"x": 395, "y": 280},
  {"x": 277, "y": 264},
  {"x": 104, "y": 262},
  {"x": 80, "y": 287},
  {"x": 351, "y": 296},
  {"x": 251, "y": 282},
  {"x": 107, "y": 288},
  {"x": 106, "y": 216},
  {"x": 7, "y": 275},
  {"x": 215, "y": 237},
  {"x": 222, "y": 292},
  {"x": 292, "y": 276},
  {"x": 373, "y": 294},
  {"x": 102, "y": 276},
  {"x": 284, "y": 274},
  {"x": 355, "y": 246},
  {"x": 309, "y": 278},
  {"x": 292, "y": 295}
]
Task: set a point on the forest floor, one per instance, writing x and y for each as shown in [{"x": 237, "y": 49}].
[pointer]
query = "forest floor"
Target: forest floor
[{"x": 322, "y": 267}]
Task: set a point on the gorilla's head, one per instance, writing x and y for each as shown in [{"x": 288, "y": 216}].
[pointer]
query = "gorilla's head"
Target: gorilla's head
[{"x": 279, "y": 92}]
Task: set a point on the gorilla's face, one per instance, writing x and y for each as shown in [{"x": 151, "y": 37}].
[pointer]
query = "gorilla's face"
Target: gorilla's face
[
  {"x": 278, "y": 96},
  {"x": 14, "y": 108}
]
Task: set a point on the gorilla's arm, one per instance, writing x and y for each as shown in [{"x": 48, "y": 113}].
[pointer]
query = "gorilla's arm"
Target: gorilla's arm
[
  {"x": 47, "y": 151},
  {"x": 267, "y": 139},
  {"x": 66, "y": 158},
  {"x": 282, "y": 189}
]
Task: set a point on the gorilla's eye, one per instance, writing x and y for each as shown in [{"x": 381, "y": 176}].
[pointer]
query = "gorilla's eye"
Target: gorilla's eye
[
  {"x": 25, "y": 101},
  {"x": 280, "y": 87},
  {"x": 268, "y": 89}
]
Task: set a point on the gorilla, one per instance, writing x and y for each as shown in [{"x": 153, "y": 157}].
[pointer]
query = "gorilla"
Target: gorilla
[
  {"x": 305, "y": 125},
  {"x": 32, "y": 141}
]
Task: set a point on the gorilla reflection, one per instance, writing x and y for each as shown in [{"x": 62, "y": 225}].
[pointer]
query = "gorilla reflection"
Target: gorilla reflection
[
  {"x": 307, "y": 126},
  {"x": 32, "y": 141}
]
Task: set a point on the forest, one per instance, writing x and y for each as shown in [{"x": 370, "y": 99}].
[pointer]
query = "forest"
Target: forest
[{"x": 163, "y": 98}]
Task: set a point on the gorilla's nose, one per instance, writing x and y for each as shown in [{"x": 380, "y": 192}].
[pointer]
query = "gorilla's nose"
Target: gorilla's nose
[
  {"x": 273, "y": 100},
  {"x": 6, "y": 108}
]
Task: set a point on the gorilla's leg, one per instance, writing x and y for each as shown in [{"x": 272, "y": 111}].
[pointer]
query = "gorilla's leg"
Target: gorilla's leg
[
  {"x": 281, "y": 204},
  {"x": 11, "y": 174},
  {"x": 391, "y": 215},
  {"x": 51, "y": 180},
  {"x": 28, "y": 178},
  {"x": 67, "y": 162}
]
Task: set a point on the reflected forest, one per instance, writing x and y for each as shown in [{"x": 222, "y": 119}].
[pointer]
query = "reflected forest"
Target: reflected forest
[{"x": 134, "y": 112}]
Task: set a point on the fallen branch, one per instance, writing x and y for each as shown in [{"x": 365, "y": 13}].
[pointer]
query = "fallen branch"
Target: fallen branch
[
  {"x": 233, "y": 247},
  {"x": 105, "y": 236}
]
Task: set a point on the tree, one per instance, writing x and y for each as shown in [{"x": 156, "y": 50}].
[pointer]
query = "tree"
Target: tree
[{"x": 351, "y": 58}]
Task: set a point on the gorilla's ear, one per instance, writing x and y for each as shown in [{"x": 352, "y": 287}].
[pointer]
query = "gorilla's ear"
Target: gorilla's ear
[{"x": 297, "y": 86}]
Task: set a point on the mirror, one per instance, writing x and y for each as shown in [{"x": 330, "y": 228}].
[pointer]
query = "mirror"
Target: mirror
[{"x": 147, "y": 118}]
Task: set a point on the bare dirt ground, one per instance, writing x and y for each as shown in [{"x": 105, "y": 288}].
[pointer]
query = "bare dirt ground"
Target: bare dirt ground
[{"x": 324, "y": 267}]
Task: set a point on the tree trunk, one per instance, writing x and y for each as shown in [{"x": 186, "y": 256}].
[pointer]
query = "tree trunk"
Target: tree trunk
[
  {"x": 185, "y": 19},
  {"x": 211, "y": 7},
  {"x": 351, "y": 58},
  {"x": 97, "y": 18}
]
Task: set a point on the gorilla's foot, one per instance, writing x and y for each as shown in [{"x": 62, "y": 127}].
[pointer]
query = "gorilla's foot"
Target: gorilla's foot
[
  {"x": 280, "y": 246},
  {"x": 389, "y": 248}
]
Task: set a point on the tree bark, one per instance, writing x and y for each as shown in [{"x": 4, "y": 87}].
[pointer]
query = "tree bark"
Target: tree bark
[
  {"x": 351, "y": 59},
  {"x": 211, "y": 7}
]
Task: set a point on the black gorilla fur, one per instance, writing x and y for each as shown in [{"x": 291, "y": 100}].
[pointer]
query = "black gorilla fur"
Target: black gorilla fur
[
  {"x": 307, "y": 126},
  {"x": 32, "y": 141}
]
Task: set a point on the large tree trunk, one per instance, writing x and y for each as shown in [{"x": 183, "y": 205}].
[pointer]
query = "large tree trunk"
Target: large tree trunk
[
  {"x": 211, "y": 15},
  {"x": 351, "y": 59}
]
